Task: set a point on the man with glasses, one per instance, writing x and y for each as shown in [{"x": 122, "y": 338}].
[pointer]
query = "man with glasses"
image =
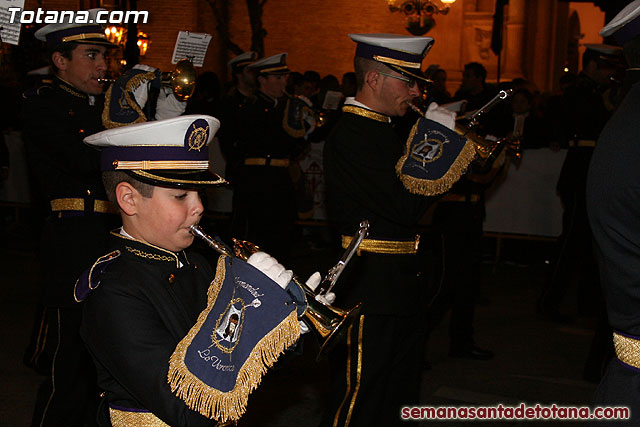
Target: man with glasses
[{"x": 378, "y": 369}]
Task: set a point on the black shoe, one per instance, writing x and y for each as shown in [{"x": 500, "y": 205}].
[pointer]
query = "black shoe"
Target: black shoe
[{"x": 475, "y": 353}]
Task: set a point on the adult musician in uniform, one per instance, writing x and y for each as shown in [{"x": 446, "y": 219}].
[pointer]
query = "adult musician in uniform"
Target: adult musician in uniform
[
  {"x": 613, "y": 202},
  {"x": 264, "y": 208},
  {"x": 233, "y": 104},
  {"x": 56, "y": 118},
  {"x": 583, "y": 117},
  {"x": 378, "y": 369}
]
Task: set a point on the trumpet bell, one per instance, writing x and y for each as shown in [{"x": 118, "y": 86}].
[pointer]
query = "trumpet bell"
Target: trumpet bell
[
  {"x": 182, "y": 79},
  {"x": 487, "y": 151},
  {"x": 329, "y": 323}
]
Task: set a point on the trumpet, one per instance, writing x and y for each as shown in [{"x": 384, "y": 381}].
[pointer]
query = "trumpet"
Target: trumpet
[
  {"x": 328, "y": 322},
  {"x": 487, "y": 151},
  {"x": 318, "y": 115},
  {"x": 182, "y": 80}
]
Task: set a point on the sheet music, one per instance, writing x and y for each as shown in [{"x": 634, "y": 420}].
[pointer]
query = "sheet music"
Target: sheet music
[
  {"x": 10, "y": 33},
  {"x": 192, "y": 46},
  {"x": 332, "y": 100}
]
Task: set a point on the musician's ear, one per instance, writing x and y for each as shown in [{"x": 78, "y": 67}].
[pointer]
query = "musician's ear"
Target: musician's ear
[
  {"x": 372, "y": 79},
  {"x": 59, "y": 60},
  {"x": 127, "y": 197}
]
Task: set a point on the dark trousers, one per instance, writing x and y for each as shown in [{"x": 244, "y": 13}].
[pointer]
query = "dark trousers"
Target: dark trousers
[
  {"x": 574, "y": 261},
  {"x": 375, "y": 372},
  {"x": 459, "y": 226},
  {"x": 69, "y": 396},
  {"x": 620, "y": 386}
]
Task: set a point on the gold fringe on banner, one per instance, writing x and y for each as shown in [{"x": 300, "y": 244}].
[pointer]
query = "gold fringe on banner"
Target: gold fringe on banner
[
  {"x": 213, "y": 403},
  {"x": 441, "y": 185},
  {"x": 132, "y": 84}
]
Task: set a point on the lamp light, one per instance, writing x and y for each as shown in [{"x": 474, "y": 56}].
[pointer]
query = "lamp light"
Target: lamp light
[{"x": 420, "y": 13}]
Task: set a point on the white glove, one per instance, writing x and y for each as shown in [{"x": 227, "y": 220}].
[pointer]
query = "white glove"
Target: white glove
[
  {"x": 168, "y": 105},
  {"x": 312, "y": 282},
  {"x": 304, "y": 329},
  {"x": 441, "y": 115},
  {"x": 270, "y": 267},
  {"x": 141, "y": 94}
]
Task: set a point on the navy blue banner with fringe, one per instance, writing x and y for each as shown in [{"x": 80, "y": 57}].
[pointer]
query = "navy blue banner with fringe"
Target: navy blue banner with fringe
[
  {"x": 435, "y": 158},
  {"x": 248, "y": 323}
]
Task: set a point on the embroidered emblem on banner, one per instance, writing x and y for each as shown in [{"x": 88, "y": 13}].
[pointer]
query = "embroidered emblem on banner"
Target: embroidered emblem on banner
[
  {"x": 430, "y": 148},
  {"x": 229, "y": 326},
  {"x": 435, "y": 158}
]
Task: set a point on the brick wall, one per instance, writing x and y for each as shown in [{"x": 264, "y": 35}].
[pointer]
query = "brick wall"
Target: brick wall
[{"x": 314, "y": 32}]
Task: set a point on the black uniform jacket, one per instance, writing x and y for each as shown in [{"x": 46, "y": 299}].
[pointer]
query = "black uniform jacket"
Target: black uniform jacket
[
  {"x": 144, "y": 305},
  {"x": 582, "y": 118},
  {"x": 262, "y": 132},
  {"x": 231, "y": 118},
  {"x": 359, "y": 164},
  {"x": 56, "y": 118},
  {"x": 613, "y": 206}
]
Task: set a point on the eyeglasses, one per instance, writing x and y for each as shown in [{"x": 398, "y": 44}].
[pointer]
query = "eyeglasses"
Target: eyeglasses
[{"x": 410, "y": 82}]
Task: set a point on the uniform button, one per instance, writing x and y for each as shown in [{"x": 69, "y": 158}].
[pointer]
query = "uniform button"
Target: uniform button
[
  {"x": 88, "y": 192},
  {"x": 81, "y": 131},
  {"x": 172, "y": 278}
]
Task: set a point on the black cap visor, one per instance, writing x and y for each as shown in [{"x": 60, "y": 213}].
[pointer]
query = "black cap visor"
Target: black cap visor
[{"x": 188, "y": 179}]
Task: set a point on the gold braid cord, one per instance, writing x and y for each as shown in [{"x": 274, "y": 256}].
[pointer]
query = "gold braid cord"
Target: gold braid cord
[
  {"x": 134, "y": 419},
  {"x": 132, "y": 84},
  {"x": 627, "y": 350},
  {"x": 213, "y": 403},
  {"x": 441, "y": 185}
]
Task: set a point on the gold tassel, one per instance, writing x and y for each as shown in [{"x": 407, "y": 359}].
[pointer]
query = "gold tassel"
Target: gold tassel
[
  {"x": 226, "y": 406},
  {"x": 441, "y": 185}
]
